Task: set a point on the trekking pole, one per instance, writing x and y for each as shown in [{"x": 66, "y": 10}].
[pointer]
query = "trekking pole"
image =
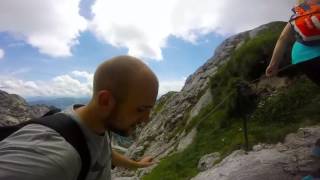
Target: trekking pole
[
  {"x": 245, "y": 133},
  {"x": 243, "y": 94}
]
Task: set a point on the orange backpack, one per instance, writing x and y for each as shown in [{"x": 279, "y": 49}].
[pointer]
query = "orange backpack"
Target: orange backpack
[{"x": 306, "y": 22}]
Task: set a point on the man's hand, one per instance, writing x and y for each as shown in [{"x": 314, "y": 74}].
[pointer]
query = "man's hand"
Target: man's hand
[
  {"x": 145, "y": 162},
  {"x": 122, "y": 161}
]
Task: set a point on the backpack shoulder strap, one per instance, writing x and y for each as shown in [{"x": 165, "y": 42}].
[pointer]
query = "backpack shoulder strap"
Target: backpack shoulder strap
[
  {"x": 52, "y": 111},
  {"x": 71, "y": 131},
  {"x": 6, "y": 131}
]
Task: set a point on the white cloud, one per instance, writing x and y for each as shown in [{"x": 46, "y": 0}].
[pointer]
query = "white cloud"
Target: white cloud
[
  {"x": 2, "y": 53},
  {"x": 67, "y": 85},
  {"x": 170, "y": 85},
  {"x": 83, "y": 74},
  {"x": 51, "y": 26},
  {"x": 143, "y": 26},
  {"x": 140, "y": 25},
  {"x": 60, "y": 86}
]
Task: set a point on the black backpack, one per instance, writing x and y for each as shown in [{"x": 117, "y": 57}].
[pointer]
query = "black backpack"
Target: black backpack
[{"x": 67, "y": 128}]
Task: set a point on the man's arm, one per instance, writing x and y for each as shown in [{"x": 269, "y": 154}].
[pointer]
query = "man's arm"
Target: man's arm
[{"x": 122, "y": 161}]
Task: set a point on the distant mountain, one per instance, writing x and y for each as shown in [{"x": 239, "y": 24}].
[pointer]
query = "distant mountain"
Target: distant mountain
[
  {"x": 61, "y": 103},
  {"x": 14, "y": 109}
]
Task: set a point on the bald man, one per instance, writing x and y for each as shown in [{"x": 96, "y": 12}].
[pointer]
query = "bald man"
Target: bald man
[{"x": 124, "y": 92}]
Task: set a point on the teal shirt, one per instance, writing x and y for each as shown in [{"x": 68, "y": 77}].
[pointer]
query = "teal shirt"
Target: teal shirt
[{"x": 302, "y": 53}]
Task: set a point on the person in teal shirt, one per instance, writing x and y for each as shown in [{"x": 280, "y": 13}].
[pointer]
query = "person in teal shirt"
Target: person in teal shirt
[{"x": 307, "y": 58}]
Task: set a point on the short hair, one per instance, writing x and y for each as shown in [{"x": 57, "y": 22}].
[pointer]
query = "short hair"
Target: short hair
[{"x": 116, "y": 75}]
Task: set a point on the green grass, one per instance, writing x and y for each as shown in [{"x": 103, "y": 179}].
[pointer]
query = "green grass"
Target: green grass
[
  {"x": 183, "y": 165},
  {"x": 162, "y": 101},
  {"x": 291, "y": 108},
  {"x": 246, "y": 63}
]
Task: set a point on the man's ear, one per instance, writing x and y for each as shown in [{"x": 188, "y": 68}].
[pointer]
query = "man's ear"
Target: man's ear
[{"x": 106, "y": 100}]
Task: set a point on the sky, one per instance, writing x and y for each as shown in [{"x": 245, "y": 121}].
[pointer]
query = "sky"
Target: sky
[{"x": 51, "y": 48}]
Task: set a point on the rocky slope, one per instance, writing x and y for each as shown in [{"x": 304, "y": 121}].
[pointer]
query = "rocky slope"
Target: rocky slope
[
  {"x": 174, "y": 137},
  {"x": 284, "y": 161},
  {"x": 160, "y": 137},
  {"x": 14, "y": 109}
]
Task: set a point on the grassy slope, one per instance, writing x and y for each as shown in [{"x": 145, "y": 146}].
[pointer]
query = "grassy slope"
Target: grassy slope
[{"x": 291, "y": 108}]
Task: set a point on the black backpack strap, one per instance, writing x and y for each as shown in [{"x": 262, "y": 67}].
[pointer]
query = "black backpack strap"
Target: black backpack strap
[
  {"x": 71, "y": 131},
  {"x": 6, "y": 131},
  {"x": 53, "y": 110}
]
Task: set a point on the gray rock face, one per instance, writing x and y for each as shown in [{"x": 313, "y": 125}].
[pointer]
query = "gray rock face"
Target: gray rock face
[
  {"x": 37, "y": 111},
  {"x": 200, "y": 79},
  {"x": 207, "y": 161},
  {"x": 205, "y": 100},
  {"x": 187, "y": 140},
  {"x": 14, "y": 109},
  {"x": 291, "y": 160}
]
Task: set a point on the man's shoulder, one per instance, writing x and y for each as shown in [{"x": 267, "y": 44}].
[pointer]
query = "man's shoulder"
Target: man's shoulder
[
  {"x": 42, "y": 147},
  {"x": 43, "y": 140}
]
